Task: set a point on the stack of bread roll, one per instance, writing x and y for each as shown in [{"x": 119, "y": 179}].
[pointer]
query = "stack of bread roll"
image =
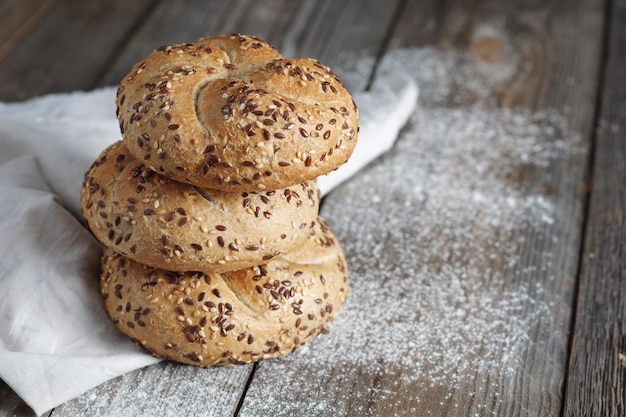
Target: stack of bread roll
[{"x": 208, "y": 206}]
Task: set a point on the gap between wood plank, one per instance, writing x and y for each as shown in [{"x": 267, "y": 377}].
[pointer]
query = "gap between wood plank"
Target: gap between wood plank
[
  {"x": 604, "y": 54},
  {"x": 397, "y": 15},
  {"x": 125, "y": 42},
  {"x": 242, "y": 397}
]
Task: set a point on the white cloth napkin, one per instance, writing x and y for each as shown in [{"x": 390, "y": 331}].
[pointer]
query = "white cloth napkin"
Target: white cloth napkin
[{"x": 56, "y": 341}]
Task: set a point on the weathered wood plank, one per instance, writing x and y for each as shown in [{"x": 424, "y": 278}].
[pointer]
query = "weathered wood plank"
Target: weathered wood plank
[
  {"x": 463, "y": 241},
  {"x": 165, "y": 389},
  {"x": 310, "y": 28},
  {"x": 62, "y": 45},
  {"x": 17, "y": 19},
  {"x": 186, "y": 21},
  {"x": 597, "y": 371}
]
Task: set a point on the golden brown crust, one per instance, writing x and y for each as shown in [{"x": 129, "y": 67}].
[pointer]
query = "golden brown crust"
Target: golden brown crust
[
  {"x": 237, "y": 317},
  {"x": 179, "y": 227},
  {"x": 230, "y": 113}
]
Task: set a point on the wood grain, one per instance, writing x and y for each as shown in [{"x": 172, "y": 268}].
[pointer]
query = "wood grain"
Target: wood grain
[
  {"x": 597, "y": 371},
  {"x": 309, "y": 28},
  {"x": 165, "y": 389},
  {"x": 191, "y": 20},
  {"x": 62, "y": 45},
  {"x": 528, "y": 56},
  {"x": 17, "y": 19}
]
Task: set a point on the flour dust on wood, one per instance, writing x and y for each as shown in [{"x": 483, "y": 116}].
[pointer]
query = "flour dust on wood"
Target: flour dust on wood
[{"x": 451, "y": 243}]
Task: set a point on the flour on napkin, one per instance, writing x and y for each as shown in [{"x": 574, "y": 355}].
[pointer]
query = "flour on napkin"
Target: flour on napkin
[{"x": 56, "y": 340}]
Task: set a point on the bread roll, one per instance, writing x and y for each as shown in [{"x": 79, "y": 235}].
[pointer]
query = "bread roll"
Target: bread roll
[
  {"x": 208, "y": 319},
  {"x": 230, "y": 113},
  {"x": 179, "y": 227}
]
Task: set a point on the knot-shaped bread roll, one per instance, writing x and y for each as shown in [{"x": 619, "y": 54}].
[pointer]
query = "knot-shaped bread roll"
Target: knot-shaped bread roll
[
  {"x": 208, "y": 206},
  {"x": 179, "y": 227},
  {"x": 208, "y": 319},
  {"x": 230, "y": 113}
]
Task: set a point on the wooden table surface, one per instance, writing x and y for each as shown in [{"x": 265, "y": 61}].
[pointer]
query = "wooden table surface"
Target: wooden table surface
[{"x": 486, "y": 250}]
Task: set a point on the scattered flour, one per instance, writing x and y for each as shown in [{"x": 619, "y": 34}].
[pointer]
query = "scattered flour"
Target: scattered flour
[
  {"x": 449, "y": 270},
  {"x": 164, "y": 390}
]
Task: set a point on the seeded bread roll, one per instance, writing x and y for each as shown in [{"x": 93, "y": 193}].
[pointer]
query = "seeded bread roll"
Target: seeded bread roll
[
  {"x": 230, "y": 113},
  {"x": 179, "y": 227},
  {"x": 236, "y": 317}
]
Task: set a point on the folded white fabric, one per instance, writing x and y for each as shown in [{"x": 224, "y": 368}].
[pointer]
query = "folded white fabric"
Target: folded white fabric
[{"x": 56, "y": 340}]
